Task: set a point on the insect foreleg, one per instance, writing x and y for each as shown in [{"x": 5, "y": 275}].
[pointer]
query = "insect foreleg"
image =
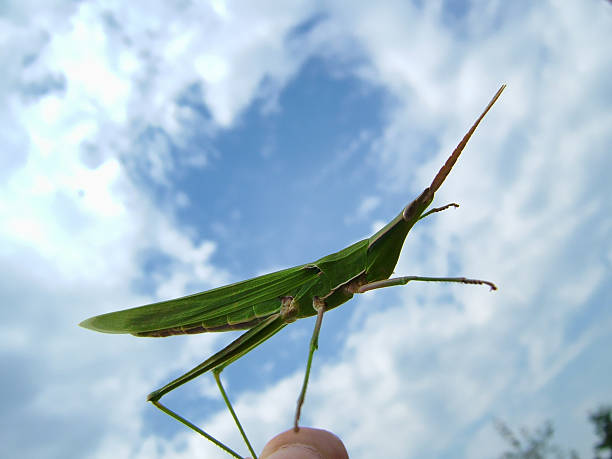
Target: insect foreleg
[
  {"x": 438, "y": 209},
  {"x": 319, "y": 305}
]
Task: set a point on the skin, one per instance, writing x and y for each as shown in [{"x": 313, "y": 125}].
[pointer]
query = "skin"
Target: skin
[{"x": 308, "y": 443}]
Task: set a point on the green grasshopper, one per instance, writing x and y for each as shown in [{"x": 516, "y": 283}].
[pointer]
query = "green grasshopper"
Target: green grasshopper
[{"x": 266, "y": 304}]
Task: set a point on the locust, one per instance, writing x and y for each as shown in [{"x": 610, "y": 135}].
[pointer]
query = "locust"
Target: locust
[{"x": 266, "y": 304}]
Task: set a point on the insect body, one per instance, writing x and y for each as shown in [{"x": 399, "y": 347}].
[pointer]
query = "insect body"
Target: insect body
[{"x": 265, "y": 304}]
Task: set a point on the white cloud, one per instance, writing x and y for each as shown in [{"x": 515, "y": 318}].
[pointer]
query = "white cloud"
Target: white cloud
[
  {"x": 409, "y": 379},
  {"x": 518, "y": 233},
  {"x": 367, "y": 205}
]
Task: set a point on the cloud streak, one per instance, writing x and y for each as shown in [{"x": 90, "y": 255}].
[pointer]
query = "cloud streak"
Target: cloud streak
[{"x": 105, "y": 107}]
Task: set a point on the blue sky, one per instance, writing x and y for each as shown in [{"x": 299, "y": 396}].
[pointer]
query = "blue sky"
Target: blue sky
[{"x": 159, "y": 149}]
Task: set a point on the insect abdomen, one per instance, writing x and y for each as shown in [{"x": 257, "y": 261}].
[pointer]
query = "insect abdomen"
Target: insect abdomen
[{"x": 201, "y": 327}]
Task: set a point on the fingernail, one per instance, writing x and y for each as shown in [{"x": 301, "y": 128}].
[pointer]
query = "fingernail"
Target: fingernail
[{"x": 296, "y": 451}]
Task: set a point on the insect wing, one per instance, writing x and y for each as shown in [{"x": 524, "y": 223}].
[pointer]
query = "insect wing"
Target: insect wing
[{"x": 250, "y": 294}]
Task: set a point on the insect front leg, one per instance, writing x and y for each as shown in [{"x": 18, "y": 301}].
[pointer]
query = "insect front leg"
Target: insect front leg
[
  {"x": 319, "y": 305},
  {"x": 438, "y": 209}
]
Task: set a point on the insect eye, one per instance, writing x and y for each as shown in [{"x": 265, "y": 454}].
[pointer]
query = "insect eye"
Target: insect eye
[
  {"x": 416, "y": 206},
  {"x": 408, "y": 211}
]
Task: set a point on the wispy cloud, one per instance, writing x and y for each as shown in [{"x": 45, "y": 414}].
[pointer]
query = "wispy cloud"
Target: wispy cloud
[{"x": 100, "y": 103}]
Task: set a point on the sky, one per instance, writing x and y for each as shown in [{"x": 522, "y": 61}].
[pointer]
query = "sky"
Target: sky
[{"x": 155, "y": 149}]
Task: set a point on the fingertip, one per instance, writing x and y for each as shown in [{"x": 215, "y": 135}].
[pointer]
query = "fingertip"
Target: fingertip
[{"x": 308, "y": 443}]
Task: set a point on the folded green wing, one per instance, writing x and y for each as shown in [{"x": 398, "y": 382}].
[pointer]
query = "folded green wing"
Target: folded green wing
[{"x": 246, "y": 300}]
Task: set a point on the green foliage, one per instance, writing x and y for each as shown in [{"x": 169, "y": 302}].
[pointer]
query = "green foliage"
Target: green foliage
[
  {"x": 532, "y": 445},
  {"x": 539, "y": 445},
  {"x": 602, "y": 419}
]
